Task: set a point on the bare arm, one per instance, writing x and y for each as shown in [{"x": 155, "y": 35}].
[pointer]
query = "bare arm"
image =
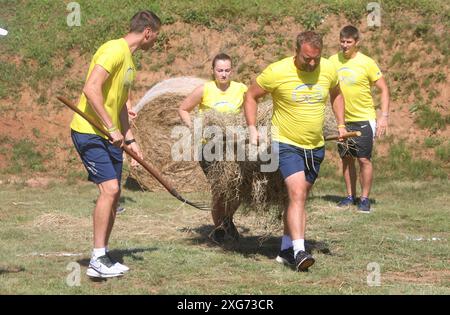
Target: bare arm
[
  {"x": 337, "y": 103},
  {"x": 131, "y": 113},
  {"x": 128, "y": 134},
  {"x": 189, "y": 104},
  {"x": 382, "y": 122},
  {"x": 251, "y": 107},
  {"x": 93, "y": 92}
]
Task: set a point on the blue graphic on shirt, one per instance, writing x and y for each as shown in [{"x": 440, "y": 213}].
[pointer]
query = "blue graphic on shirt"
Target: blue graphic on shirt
[
  {"x": 309, "y": 93},
  {"x": 347, "y": 76}
]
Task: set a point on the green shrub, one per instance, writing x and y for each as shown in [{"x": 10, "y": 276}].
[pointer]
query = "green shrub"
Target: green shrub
[
  {"x": 428, "y": 118},
  {"x": 310, "y": 20},
  {"x": 421, "y": 30},
  {"x": 443, "y": 152},
  {"x": 399, "y": 164},
  {"x": 25, "y": 158},
  {"x": 432, "y": 142}
]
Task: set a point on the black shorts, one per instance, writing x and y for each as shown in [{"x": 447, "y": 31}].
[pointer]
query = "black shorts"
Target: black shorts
[{"x": 359, "y": 147}]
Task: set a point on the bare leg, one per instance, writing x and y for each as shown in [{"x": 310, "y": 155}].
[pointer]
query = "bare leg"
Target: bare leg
[
  {"x": 104, "y": 212},
  {"x": 366, "y": 175},
  {"x": 298, "y": 189},
  {"x": 218, "y": 213},
  {"x": 349, "y": 172}
]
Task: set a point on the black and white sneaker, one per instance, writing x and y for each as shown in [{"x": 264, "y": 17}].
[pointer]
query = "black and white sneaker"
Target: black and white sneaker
[
  {"x": 118, "y": 265},
  {"x": 103, "y": 267},
  {"x": 286, "y": 257},
  {"x": 303, "y": 261}
]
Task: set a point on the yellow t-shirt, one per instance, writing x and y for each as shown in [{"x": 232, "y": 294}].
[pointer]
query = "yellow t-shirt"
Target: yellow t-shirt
[
  {"x": 356, "y": 76},
  {"x": 115, "y": 57},
  {"x": 299, "y": 100},
  {"x": 228, "y": 101}
]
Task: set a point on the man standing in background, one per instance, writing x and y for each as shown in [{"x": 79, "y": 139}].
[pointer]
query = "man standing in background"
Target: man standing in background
[{"x": 357, "y": 74}]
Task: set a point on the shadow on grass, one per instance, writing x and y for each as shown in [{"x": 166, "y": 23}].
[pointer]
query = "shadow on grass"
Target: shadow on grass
[
  {"x": 118, "y": 254},
  {"x": 13, "y": 269},
  {"x": 335, "y": 199},
  {"x": 133, "y": 185},
  {"x": 249, "y": 246}
]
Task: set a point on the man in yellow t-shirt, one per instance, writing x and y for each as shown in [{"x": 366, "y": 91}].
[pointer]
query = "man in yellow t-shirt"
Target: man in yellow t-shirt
[
  {"x": 105, "y": 93},
  {"x": 357, "y": 74},
  {"x": 225, "y": 96},
  {"x": 300, "y": 87}
]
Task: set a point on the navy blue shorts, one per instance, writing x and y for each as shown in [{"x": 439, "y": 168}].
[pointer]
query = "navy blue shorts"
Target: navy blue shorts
[
  {"x": 102, "y": 160},
  {"x": 293, "y": 159}
]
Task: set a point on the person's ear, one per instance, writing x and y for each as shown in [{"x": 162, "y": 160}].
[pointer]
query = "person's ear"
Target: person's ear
[{"x": 147, "y": 33}]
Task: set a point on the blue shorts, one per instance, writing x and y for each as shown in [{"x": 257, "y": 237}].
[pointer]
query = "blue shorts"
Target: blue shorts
[
  {"x": 293, "y": 159},
  {"x": 102, "y": 160}
]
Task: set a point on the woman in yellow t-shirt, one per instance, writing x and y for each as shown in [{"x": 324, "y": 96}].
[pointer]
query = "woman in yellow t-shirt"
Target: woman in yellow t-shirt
[{"x": 225, "y": 96}]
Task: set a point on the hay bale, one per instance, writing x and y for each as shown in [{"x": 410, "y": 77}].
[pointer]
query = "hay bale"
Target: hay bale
[
  {"x": 233, "y": 180},
  {"x": 157, "y": 116}
]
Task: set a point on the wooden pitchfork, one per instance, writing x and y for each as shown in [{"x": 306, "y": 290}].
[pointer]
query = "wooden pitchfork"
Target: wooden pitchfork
[{"x": 147, "y": 166}]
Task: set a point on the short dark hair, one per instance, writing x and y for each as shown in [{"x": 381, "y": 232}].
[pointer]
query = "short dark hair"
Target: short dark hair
[
  {"x": 143, "y": 19},
  {"x": 349, "y": 31},
  {"x": 309, "y": 37},
  {"x": 221, "y": 56}
]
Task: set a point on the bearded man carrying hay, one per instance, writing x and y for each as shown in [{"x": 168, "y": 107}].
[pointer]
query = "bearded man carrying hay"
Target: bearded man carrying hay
[
  {"x": 224, "y": 96},
  {"x": 300, "y": 86}
]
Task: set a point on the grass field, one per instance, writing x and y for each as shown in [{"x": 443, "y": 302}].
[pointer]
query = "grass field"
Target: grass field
[
  {"x": 46, "y": 233},
  {"x": 166, "y": 245}
]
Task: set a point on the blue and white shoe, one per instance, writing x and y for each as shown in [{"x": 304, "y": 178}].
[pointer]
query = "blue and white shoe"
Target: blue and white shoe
[
  {"x": 346, "y": 202},
  {"x": 364, "y": 205}
]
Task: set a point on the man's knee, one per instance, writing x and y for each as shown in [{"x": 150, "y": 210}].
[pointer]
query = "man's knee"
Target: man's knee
[
  {"x": 110, "y": 188},
  {"x": 364, "y": 161},
  {"x": 297, "y": 195}
]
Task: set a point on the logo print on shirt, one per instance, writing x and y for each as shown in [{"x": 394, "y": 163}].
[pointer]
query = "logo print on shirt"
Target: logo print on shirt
[
  {"x": 309, "y": 93},
  {"x": 347, "y": 76},
  {"x": 224, "y": 106},
  {"x": 129, "y": 77}
]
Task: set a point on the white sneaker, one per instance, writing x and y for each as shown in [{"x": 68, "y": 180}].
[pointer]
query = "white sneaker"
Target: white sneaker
[
  {"x": 104, "y": 267},
  {"x": 95, "y": 274},
  {"x": 121, "y": 267},
  {"x": 118, "y": 265}
]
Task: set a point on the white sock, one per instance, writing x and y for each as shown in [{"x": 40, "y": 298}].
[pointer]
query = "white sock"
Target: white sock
[
  {"x": 286, "y": 242},
  {"x": 298, "y": 246},
  {"x": 98, "y": 252}
]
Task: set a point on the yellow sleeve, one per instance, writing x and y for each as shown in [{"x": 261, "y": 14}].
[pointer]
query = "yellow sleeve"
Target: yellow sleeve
[
  {"x": 334, "y": 76},
  {"x": 109, "y": 59},
  {"x": 266, "y": 80},
  {"x": 373, "y": 71}
]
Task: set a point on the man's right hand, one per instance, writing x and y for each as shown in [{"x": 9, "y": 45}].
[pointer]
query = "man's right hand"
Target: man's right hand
[{"x": 116, "y": 138}]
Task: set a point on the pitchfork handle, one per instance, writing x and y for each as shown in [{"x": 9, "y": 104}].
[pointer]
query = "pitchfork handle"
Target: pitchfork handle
[{"x": 347, "y": 135}]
